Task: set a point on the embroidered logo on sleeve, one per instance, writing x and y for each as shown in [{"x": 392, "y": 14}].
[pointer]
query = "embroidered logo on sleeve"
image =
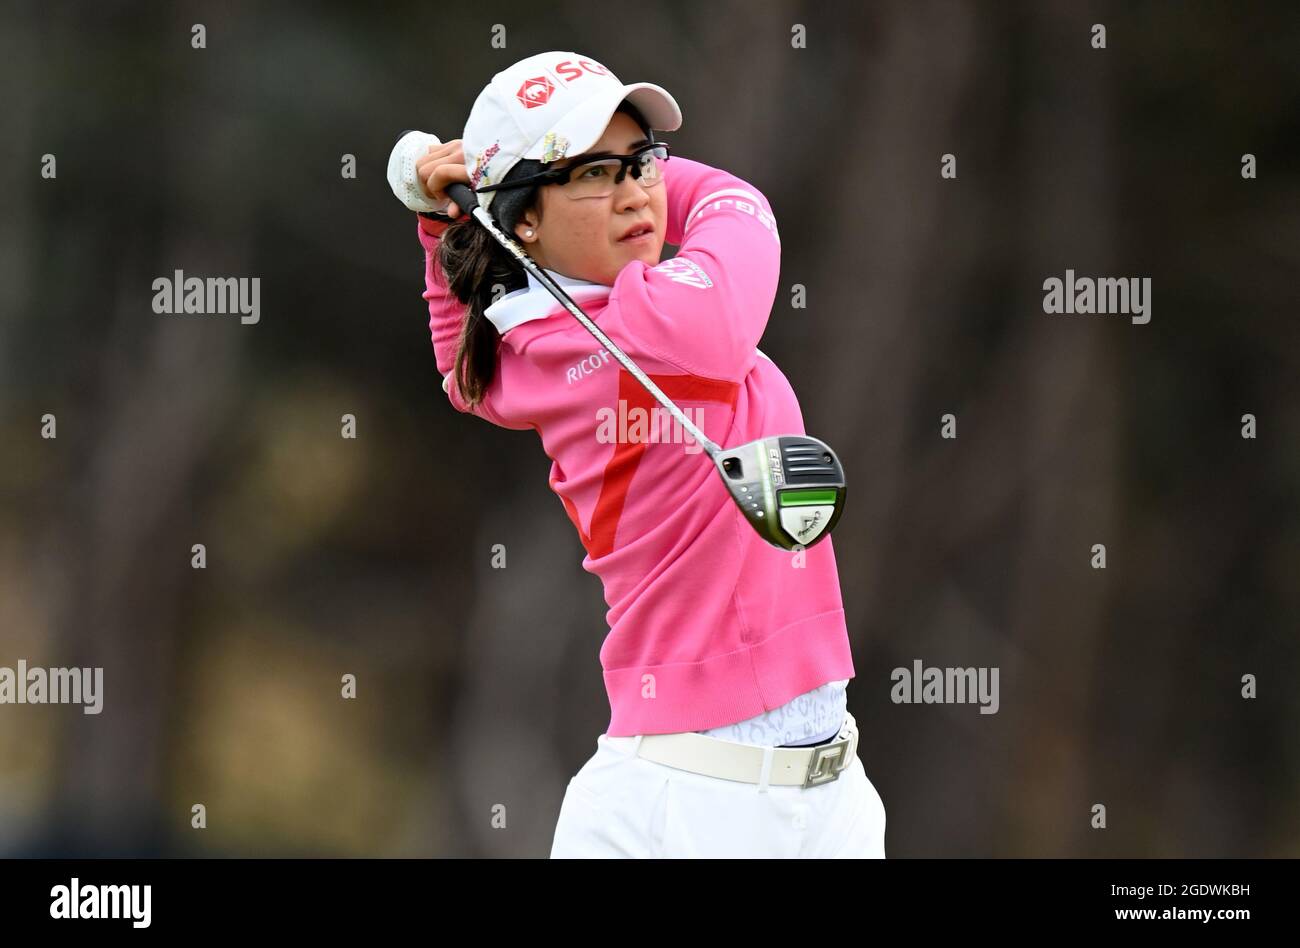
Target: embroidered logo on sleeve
[
  {"x": 734, "y": 199},
  {"x": 681, "y": 270}
]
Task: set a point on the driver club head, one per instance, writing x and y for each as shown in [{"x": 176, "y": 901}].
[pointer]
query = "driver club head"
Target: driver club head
[{"x": 790, "y": 487}]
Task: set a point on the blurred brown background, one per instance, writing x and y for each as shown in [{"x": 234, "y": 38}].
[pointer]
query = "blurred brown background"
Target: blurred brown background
[{"x": 371, "y": 556}]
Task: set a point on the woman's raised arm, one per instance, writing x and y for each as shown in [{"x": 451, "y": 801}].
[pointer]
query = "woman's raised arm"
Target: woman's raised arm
[{"x": 706, "y": 309}]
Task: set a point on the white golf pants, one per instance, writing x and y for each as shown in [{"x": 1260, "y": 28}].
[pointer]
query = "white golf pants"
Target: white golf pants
[{"x": 619, "y": 805}]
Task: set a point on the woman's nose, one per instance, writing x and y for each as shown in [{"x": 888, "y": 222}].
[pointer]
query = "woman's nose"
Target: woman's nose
[{"x": 631, "y": 193}]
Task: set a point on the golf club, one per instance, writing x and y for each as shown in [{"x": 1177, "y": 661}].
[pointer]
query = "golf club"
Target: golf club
[{"x": 790, "y": 487}]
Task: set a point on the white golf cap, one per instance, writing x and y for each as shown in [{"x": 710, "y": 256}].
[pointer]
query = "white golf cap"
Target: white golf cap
[{"x": 551, "y": 106}]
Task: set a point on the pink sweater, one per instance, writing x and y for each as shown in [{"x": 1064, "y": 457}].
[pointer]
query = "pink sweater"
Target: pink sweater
[{"x": 708, "y": 624}]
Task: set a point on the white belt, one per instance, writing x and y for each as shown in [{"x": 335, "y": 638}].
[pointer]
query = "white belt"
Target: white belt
[{"x": 729, "y": 760}]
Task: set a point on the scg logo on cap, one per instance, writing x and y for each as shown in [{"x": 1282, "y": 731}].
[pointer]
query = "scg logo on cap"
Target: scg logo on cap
[
  {"x": 567, "y": 70},
  {"x": 537, "y": 90},
  {"x": 534, "y": 92}
]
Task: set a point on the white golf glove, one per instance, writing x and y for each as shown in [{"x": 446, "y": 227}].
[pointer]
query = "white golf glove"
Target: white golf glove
[{"x": 401, "y": 172}]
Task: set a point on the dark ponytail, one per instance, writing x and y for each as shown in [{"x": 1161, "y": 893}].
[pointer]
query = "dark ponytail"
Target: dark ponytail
[{"x": 474, "y": 264}]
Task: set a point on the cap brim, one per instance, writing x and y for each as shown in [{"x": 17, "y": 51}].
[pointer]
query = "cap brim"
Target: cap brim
[{"x": 586, "y": 123}]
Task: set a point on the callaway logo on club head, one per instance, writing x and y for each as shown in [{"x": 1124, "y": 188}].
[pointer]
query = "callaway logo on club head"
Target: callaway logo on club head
[{"x": 809, "y": 523}]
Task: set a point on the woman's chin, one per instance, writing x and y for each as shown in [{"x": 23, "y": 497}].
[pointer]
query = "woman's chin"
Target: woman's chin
[{"x": 647, "y": 253}]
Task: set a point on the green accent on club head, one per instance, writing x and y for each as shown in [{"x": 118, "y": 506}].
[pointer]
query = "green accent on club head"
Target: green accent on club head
[{"x": 800, "y": 498}]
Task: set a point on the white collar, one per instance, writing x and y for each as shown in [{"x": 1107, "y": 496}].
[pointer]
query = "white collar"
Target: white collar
[{"x": 536, "y": 301}]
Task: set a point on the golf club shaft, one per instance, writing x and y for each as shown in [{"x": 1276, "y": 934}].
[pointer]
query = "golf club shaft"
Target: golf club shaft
[{"x": 467, "y": 201}]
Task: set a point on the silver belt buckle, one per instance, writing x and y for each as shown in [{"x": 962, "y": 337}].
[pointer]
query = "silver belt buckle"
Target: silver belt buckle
[{"x": 828, "y": 761}]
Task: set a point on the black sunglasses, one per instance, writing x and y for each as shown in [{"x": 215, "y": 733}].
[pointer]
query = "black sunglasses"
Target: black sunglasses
[{"x": 562, "y": 175}]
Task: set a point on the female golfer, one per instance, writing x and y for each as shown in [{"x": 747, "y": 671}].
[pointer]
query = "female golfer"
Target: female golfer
[{"x": 726, "y": 659}]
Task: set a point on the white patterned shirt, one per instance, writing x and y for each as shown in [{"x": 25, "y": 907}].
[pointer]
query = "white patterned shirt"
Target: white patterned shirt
[{"x": 809, "y": 718}]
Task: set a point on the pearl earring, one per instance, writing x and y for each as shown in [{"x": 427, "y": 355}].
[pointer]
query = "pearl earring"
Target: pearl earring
[{"x": 528, "y": 233}]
